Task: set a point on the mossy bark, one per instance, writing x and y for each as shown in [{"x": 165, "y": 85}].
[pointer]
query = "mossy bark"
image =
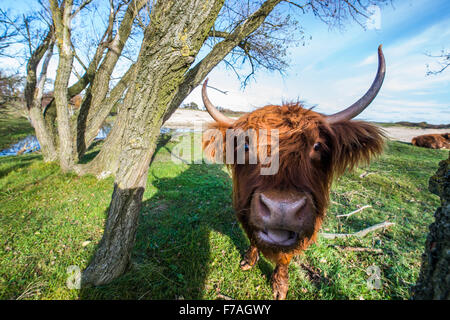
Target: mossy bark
[{"x": 434, "y": 278}]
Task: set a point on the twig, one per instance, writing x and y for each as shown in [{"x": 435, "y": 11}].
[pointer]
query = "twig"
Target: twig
[
  {"x": 224, "y": 297},
  {"x": 365, "y": 174},
  {"x": 359, "y": 249},
  {"x": 353, "y": 212},
  {"x": 358, "y": 234},
  {"x": 224, "y": 92},
  {"x": 30, "y": 290}
]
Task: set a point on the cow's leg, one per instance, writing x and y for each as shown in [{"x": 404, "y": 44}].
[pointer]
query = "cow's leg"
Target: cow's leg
[
  {"x": 280, "y": 276},
  {"x": 251, "y": 257}
]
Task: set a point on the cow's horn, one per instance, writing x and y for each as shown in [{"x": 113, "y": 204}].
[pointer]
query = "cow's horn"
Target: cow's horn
[
  {"x": 215, "y": 114},
  {"x": 366, "y": 99}
]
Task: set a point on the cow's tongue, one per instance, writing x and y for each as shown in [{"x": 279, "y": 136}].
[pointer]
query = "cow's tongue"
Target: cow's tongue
[{"x": 278, "y": 235}]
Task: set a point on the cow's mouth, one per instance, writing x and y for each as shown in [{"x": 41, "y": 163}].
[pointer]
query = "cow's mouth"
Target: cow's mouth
[{"x": 278, "y": 237}]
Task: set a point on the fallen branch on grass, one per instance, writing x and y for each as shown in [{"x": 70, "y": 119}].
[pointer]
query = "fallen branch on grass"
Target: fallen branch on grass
[
  {"x": 358, "y": 249},
  {"x": 224, "y": 297},
  {"x": 353, "y": 212},
  {"x": 358, "y": 234},
  {"x": 365, "y": 174}
]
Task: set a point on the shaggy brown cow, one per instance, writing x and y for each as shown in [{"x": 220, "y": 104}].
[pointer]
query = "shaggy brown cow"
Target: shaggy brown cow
[
  {"x": 432, "y": 141},
  {"x": 282, "y": 213}
]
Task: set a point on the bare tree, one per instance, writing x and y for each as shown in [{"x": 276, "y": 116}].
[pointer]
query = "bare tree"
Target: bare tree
[
  {"x": 63, "y": 136},
  {"x": 444, "y": 63},
  {"x": 10, "y": 93},
  {"x": 8, "y": 33}
]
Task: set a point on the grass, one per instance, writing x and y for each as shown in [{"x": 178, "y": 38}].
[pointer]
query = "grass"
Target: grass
[
  {"x": 188, "y": 243},
  {"x": 417, "y": 125},
  {"x": 13, "y": 129}
]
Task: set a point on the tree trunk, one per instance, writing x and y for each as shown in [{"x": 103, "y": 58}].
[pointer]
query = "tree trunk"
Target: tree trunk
[
  {"x": 113, "y": 254},
  {"x": 434, "y": 278},
  {"x": 34, "y": 90},
  {"x": 48, "y": 150},
  {"x": 106, "y": 162},
  {"x": 175, "y": 35},
  {"x": 62, "y": 18},
  {"x": 66, "y": 155}
]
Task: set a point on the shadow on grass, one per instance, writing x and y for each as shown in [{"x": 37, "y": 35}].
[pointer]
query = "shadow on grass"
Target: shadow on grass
[
  {"x": 13, "y": 163},
  {"x": 172, "y": 254},
  {"x": 95, "y": 148}
]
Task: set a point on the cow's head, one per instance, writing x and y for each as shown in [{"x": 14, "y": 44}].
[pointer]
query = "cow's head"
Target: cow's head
[{"x": 284, "y": 209}]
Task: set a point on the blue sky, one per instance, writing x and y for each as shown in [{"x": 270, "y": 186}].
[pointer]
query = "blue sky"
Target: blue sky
[{"x": 336, "y": 67}]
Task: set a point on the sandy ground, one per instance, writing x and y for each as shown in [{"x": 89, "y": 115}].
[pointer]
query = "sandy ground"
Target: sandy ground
[
  {"x": 405, "y": 134},
  {"x": 196, "y": 119}
]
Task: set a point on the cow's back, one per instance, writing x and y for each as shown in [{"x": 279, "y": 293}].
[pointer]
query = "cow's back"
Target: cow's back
[{"x": 432, "y": 141}]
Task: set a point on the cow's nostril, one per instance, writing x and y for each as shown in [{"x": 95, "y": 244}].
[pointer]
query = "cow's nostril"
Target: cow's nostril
[{"x": 264, "y": 209}]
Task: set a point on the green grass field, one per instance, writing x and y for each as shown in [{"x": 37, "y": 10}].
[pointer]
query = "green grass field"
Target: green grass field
[
  {"x": 12, "y": 129},
  {"x": 188, "y": 242}
]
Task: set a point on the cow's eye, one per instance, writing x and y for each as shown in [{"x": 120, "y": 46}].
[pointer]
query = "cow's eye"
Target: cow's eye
[{"x": 317, "y": 146}]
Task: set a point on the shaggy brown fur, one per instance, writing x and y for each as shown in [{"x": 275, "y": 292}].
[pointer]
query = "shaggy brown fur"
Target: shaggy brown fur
[
  {"x": 432, "y": 141},
  {"x": 343, "y": 146}
]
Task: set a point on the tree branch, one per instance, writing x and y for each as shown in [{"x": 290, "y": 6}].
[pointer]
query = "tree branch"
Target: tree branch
[
  {"x": 195, "y": 75},
  {"x": 84, "y": 4},
  {"x": 358, "y": 234},
  {"x": 353, "y": 212},
  {"x": 33, "y": 62}
]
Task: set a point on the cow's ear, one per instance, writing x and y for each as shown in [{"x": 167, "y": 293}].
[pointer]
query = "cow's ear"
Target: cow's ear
[
  {"x": 214, "y": 141},
  {"x": 355, "y": 142}
]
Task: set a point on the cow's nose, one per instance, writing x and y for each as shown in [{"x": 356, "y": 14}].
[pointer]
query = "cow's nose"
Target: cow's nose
[
  {"x": 282, "y": 211},
  {"x": 282, "y": 218}
]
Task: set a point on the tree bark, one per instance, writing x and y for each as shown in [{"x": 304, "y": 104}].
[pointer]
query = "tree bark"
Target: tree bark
[
  {"x": 33, "y": 96},
  {"x": 175, "y": 35},
  {"x": 85, "y": 136},
  {"x": 106, "y": 162},
  {"x": 62, "y": 19},
  {"x": 434, "y": 278}
]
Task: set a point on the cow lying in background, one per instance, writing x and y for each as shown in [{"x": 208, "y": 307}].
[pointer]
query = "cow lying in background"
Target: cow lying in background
[
  {"x": 432, "y": 141},
  {"x": 282, "y": 212}
]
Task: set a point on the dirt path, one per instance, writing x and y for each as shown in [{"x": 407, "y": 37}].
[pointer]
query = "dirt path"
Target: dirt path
[{"x": 183, "y": 118}]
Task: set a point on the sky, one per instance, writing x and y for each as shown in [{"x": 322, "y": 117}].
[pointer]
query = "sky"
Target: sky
[{"x": 336, "y": 67}]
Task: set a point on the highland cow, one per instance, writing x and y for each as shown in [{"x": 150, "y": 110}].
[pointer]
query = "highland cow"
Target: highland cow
[
  {"x": 282, "y": 212},
  {"x": 432, "y": 141}
]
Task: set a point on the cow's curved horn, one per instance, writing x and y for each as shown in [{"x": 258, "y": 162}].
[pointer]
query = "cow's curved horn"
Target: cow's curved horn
[
  {"x": 366, "y": 99},
  {"x": 215, "y": 114}
]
